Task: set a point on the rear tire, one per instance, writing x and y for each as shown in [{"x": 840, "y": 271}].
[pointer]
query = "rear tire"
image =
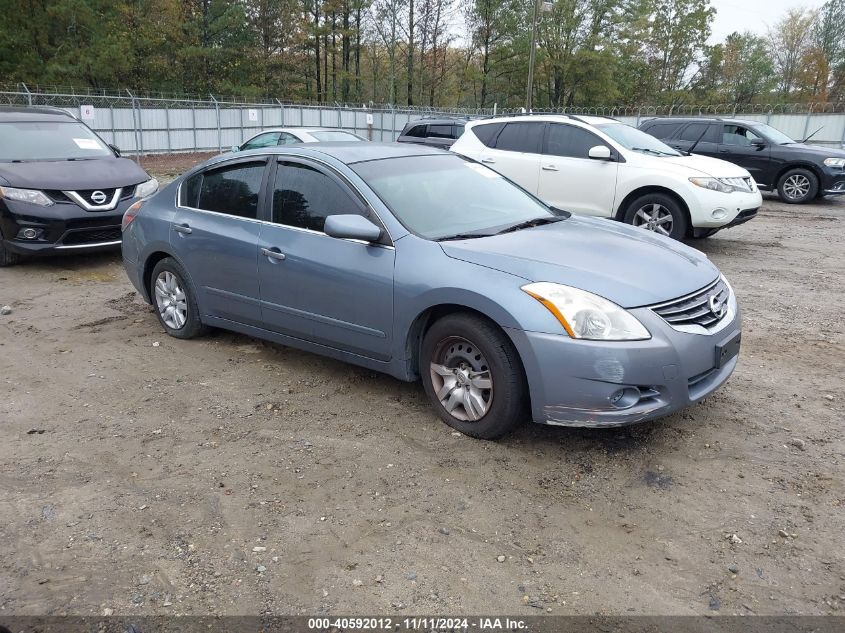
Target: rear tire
[
  {"x": 7, "y": 258},
  {"x": 659, "y": 213},
  {"x": 174, "y": 300},
  {"x": 798, "y": 186},
  {"x": 473, "y": 376}
]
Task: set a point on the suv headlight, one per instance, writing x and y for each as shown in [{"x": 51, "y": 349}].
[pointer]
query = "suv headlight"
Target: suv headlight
[
  {"x": 587, "y": 316},
  {"x": 714, "y": 184},
  {"x": 32, "y": 196},
  {"x": 835, "y": 162},
  {"x": 146, "y": 189}
]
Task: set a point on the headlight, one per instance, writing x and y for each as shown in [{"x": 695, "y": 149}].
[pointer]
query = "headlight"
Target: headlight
[
  {"x": 25, "y": 195},
  {"x": 835, "y": 162},
  {"x": 587, "y": 316},
  {"x": 714, "y": 184},
  {"x": 146, "y": 189}
]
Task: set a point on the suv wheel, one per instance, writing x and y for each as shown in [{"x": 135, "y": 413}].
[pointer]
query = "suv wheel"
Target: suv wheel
[
  {"x": 175, "y": 301},
  {"x": 798, "y": 186},
  {"x": 659, "y": 213},
  {"x": 473, "y": 376}
]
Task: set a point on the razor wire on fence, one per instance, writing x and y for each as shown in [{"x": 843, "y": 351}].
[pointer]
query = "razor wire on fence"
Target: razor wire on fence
[{"x": 153, "y": 123}]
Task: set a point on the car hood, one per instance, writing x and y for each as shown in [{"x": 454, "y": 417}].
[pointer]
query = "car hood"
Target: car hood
[
  {"x": 815, "y": 150},
  {"x": 631, "y": 267},
  {"x": 69, "y": 175},
  {"x": 699, "y": 166}
]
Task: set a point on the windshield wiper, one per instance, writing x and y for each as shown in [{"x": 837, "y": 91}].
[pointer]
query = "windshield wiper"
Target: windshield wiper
[
  {"x": 528, "y": 224},
  {"x": 463, "y": 236},
  {"x": 653, "y": 151}
]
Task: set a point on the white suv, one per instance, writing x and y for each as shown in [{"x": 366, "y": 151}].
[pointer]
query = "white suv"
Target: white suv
[{"x": 599, "y": 166}]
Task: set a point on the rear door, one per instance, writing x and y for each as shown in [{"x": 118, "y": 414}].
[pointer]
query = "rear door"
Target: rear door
[
  {"x": 741, "y": 146},
  {"x": 569, "y": 179},
  {"x": 329, "y": 291},
  {"x": 215, "y": 235},
  {"x": 441, "y": 135},
  {"x": 515, "y": 152}
]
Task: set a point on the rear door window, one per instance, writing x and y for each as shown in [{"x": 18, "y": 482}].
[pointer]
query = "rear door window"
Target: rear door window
[
  {"x": 525, "y": 137},
  {"x": 693, "y": 132},
  {"x": 440, "y": 131},
  {"x": 232, "y": 190},
  {"x": 664, "y": 130}
]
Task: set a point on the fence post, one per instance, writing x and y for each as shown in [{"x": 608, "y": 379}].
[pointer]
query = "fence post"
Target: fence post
[
  {"x": 241, "y": 118},
  {"x": 339, "y": 117},
  {"x": 28, "y": 93},
  {"x": 113, "y": 133},
  {"x": 807, "y": 121},
  {"x": 392, "y": 125},
  {"x": 219, "y": 131},
  {"x": 167, "y": 124},
  {"x": 282, "y": 112},
  {"x": 194, "y": 124},
  {"x": 135, "y": 128}
]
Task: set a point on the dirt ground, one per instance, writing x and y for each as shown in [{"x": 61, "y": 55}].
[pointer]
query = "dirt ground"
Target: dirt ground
[{"x": 140, "y": 474}]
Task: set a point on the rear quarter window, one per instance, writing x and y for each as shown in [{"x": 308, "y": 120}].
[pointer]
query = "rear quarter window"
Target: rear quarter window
[{"x": 488, "y": 132}]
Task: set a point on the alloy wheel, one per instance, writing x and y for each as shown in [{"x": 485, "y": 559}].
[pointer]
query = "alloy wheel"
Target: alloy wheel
[
  {"x": 170, "y": 300},
  {"x": 461, "y": 379},
  {"x": 796, "y": 186},
  {"x": 654, "y": 217}
]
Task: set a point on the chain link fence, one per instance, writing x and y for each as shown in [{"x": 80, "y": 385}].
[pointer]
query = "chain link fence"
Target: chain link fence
[{"x": 160, "y": 124}]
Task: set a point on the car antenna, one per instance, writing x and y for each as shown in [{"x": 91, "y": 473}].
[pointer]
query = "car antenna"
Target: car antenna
[
  {"x": 698, "y": 140},
  {"x": 812, "y": 135}
]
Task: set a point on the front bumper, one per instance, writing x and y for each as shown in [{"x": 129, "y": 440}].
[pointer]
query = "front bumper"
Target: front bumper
[
  {"x": 573, "y": 383},
  {"x": 62, "y": 228},
  {"x": 703, "y": 204},
  {"x": 833, "y": 182}
]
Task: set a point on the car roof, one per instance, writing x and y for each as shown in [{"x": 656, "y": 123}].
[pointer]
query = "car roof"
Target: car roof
[
  {"x": 33, "y": 114},
  {"x": 706, "y": 119},
  {"x": 555, "y": 118},
  {"x": 296, "y": 128},
  {"x": 347, "y": 152}
]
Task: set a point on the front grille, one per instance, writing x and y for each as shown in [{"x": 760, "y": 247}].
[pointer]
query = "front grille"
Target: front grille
[
  {"x": 697, "y": 308},
  {"x": 92, "y": 236}
]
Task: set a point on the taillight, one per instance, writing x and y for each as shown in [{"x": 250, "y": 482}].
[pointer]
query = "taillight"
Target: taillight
[{"x": 130, "y": 215}]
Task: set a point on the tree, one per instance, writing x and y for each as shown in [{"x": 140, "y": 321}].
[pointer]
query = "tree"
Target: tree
[{"x": 790, "y": 41}]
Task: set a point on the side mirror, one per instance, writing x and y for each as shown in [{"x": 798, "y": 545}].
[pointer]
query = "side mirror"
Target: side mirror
[
  {"x": 236, "y": 148},
  {"x": 758, "y": 142},
  {"x": 115, "y": 149},
  {"x": 599, "y": 152},
  {"x": 351, "y": 227}
]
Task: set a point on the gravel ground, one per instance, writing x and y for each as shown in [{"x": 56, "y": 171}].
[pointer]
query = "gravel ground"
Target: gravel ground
[{"x": 141, "y": 474}]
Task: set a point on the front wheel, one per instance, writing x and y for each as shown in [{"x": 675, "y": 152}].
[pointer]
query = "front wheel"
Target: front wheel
[
  {"x": 7, "y": 258},
  {"x": 473, "y": 376},
  {"x": 798, "y": 186},
  {"x": 175, "y": 301},
  {"x": 659, "y": 213}
]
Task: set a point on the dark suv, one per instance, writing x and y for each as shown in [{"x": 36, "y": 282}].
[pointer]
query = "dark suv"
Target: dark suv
[
  {"x": 797, "y": 171},
  {"x": 62, "y": 188},
  {"x": 434, "y": 132}
]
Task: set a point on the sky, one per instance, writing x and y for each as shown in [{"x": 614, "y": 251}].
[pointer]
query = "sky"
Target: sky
[{"x": 752, "y": 15}]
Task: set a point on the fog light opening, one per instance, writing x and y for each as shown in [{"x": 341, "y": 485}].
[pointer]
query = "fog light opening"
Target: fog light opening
[
  {"x": 625, "y": 398},
  {"x": 718, "y": 214},
  {"x": 29, "y": 233}
]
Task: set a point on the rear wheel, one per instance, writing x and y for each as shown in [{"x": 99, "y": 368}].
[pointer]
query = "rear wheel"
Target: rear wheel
[
  {"x": 659, "y": 213},
  {"x": 473, "y": 376},
  {"x": 798, "y": 186},
  {"x": 175, "y": 301}
]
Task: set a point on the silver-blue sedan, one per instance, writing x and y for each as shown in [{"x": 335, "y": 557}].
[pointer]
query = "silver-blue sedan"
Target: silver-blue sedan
[{"x": 425, "y": 265}]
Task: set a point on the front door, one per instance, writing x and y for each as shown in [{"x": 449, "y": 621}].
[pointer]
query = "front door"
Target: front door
[
  {"x": 516, "y": 153},
  {"x": 570, "y": 179},
  {"x": 743, "y": 147},
  {"x": 215, "y": 235},
  {"x": 330, "y": 291}
]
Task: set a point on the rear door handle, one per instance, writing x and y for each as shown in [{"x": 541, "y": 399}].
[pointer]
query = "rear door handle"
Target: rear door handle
[
  {"x": 724, "y": 151},
  {"x": 184, "y": 229},
  {"x": 489, "y": 161},
  {"x": 267, "y": 252},
  {"x": 550, "y": 168}
]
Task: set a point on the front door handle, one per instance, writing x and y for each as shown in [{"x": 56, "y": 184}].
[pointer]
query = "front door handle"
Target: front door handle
[
  {"x": 550, "y": 168},
  {"x": 267, "y": 252},
  {"x": 184, "y": 229},
  {"x": 724, "y": 151},
  {"x": 489, "y": 161}
]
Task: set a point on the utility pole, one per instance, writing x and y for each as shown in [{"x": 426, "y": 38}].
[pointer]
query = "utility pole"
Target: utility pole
[{"x": 529, "y": 93}]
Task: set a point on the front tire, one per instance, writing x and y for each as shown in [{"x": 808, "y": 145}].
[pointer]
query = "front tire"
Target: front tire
[
  {"x": 472, "y": 374},
  {"x": 798, "y": 186},
  {"x": 657, "y": 212},
  {"x": 7, "y": 258},
  {"x": 174, "y": 300}
]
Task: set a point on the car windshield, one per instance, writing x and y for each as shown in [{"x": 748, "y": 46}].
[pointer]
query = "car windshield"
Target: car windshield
[
  {"x": 773, "y": 135},
  {"x": 331, "y": 135},
  {"x": 49, "y": 140},
  {"x": 635, "y": 140},
  {"x": 444, "y": 196}
]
